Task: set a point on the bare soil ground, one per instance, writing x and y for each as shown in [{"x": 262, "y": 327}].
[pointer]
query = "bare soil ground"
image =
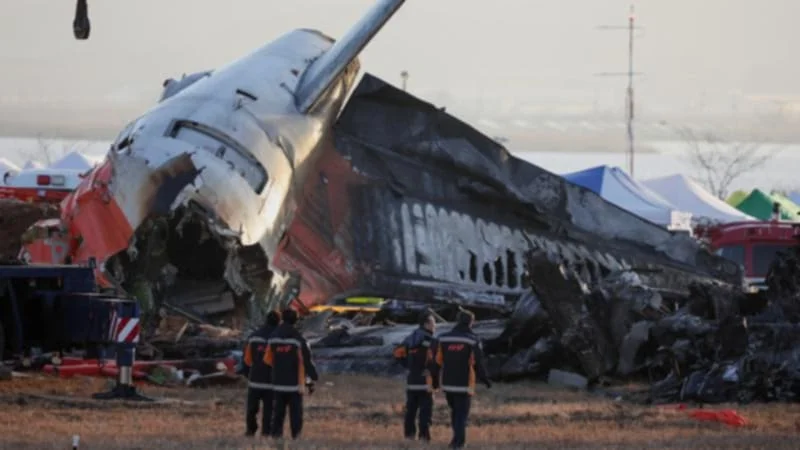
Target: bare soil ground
[{"x": 364, "y": 412}]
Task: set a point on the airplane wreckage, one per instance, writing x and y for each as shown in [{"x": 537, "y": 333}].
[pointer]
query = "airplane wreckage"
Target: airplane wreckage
[
  {"x": 244, "y": 174},
  {"x": 260, "y": 185}
]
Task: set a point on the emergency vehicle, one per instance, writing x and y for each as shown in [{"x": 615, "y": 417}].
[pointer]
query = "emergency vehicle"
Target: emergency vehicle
[
  {"x": 753, "y": 245},
  {"x": 40, "y": 185}
]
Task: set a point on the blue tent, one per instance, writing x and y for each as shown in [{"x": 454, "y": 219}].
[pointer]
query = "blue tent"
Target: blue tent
[
  {"x": 614, "y": 185},
  {"x": 591, "y": 179}
]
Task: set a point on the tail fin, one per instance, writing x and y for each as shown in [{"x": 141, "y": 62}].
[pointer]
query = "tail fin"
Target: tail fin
[{"x": 323, "y": 72}]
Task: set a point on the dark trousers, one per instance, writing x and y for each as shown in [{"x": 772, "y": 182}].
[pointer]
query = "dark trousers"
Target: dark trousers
[
  {"x": 422, "y": 402},
  {"x": 255, "y": 397},
  {"x": 459, "y": 413},
  {"x": 294, "y": 401}
]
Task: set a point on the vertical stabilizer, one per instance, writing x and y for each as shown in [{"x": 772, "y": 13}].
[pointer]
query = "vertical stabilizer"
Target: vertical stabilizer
[{"x": 323, "y": 72}]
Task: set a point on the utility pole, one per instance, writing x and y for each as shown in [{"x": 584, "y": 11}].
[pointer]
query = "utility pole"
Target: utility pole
[
  {"x": 404, "y": 76},
  {"x": 629, "y": 92}
]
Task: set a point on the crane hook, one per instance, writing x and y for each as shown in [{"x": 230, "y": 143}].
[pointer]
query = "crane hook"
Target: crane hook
[{"x": 81, "y": 26}]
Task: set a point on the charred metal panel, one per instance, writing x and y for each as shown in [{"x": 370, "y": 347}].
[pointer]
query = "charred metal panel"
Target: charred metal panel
[
  {"x": 317, "y": 213},
  {"x": 417, "y": 150},
  {"x": 412, "y": 244},
  {"x": 422, "y": 246},
  {"x": 318, "y": 242}
]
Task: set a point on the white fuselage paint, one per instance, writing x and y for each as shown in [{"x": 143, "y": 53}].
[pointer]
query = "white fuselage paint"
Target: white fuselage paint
[
  {"x": 434, "y": 242},
  {"x": 261, "y": 118}
]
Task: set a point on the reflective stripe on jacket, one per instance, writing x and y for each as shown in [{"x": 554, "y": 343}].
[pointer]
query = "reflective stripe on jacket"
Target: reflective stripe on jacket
[
  {"x": 459, "y": 359},
  {"x": 260, "y": 376},
  {"x": 290, "y": 359},
  {"x": 415, "y": 353}
]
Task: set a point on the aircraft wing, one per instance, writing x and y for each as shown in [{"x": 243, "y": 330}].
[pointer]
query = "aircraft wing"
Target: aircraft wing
[{"x": 323, "y": 72}]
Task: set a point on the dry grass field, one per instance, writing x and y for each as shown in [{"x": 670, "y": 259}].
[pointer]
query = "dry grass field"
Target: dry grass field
[{"x": 362, "y": 412}]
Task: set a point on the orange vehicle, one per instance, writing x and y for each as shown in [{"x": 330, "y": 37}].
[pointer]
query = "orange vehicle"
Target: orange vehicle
[{"x": 754, "y": 245}]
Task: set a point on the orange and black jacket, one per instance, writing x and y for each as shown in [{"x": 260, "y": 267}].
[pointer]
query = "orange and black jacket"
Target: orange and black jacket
[
  {"x": 459, "y": 360},
  {"x": 415, "y": 353},
  {"x": 290, "y": 359},
  {"x": 260, "y": 376}
]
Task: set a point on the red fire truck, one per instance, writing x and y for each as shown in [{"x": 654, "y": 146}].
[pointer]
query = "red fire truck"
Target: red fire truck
[
  {"x": 40, "y": 185},
  {"x": 752, "y": 244}
]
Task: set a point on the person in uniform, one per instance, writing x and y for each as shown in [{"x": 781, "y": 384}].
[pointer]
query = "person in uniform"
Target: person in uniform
[
  {"x": 259, "y": 386},
  {"x": 292, "y": 372},
  {"x": 415, "y": 353},
  {"x": 459, "y": 361}
]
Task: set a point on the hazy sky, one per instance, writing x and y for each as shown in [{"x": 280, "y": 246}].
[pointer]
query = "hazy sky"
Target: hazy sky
[{"x": 706, "y": 53}]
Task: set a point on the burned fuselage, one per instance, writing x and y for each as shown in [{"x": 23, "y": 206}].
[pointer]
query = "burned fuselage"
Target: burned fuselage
[{"x": 411, "y": 203}]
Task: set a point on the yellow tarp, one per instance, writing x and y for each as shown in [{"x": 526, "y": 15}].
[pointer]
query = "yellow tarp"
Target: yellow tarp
[
  {"x": 363, "y": 301},
  {"x": 353, "y": 304},
  {"x": 736, "y": 198},
  {"x": 342, "y": 308}
]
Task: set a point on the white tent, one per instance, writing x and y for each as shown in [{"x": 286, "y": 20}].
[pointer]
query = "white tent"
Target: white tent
[
  {"x": 6, "y": 166},
  {"x": 690, "y": 196},
  {"x": 7, "y": 170},
  {"x": 73, "y": 161},
  {"x": 614, "y": 185},
  {"x": 31, "y": 164}
]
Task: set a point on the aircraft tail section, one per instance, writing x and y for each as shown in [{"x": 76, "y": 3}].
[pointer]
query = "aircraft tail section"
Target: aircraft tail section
[{"x": 324, "y": 71}]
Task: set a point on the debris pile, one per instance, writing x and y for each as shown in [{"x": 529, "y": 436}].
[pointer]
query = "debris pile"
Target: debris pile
[
  {"x": 368, "y": 350},
  {"x": 15, "y": 218},
  {"x": 179, "y": 351},
  {"x": 711, "y": 344},
  {"x": 704, "y": 341},
  {"x": 178, "y": 337},
  {"x": 188, "y": 372}
]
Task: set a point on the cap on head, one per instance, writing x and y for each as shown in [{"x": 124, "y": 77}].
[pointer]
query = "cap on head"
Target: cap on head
[
  {"x": 465, "y": 317},
  {"x": 289, "y": 316},
  {"x": 273, "y": 318}
]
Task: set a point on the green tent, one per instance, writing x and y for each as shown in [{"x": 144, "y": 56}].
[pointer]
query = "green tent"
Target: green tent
[
  {"x": 786, "y": 203},
  {"x": 759, "y": 205},
  {"x": 736, "y": 198}
]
